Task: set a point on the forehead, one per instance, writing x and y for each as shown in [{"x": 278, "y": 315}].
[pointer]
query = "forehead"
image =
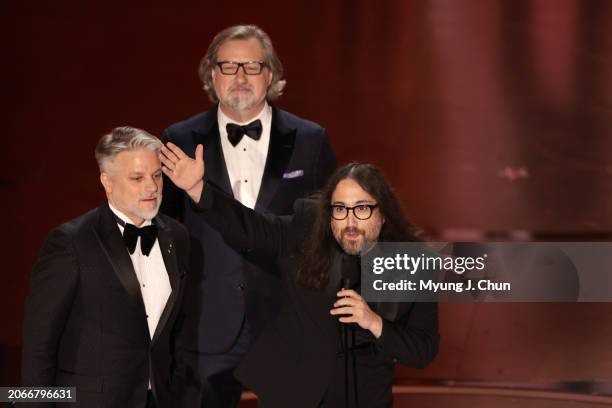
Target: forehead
[
  {"x": 140, "y": 160},
  {"x": 240, "y": 50},
  {"x": 349, "y": 192}
]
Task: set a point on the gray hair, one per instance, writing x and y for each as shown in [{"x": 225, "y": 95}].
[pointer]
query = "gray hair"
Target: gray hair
[
  {"x": 120, "y": 139},
  {"x": 242, "y": 32}
]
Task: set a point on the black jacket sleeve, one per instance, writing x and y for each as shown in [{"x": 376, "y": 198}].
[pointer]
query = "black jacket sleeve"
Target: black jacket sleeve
[
  {"x": 413, "y": 338},
  {"x": 255, "y": 235},
  {"x": 172, "y": 197},
  {"x": 52, "y": 289}
]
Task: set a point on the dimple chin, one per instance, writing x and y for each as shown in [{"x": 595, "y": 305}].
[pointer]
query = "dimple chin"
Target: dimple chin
[
  {"x": 353, "y": 244},
  {"x": 148, "y": 213}
]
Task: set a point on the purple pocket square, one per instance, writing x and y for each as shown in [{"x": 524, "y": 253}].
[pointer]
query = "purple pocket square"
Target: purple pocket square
[{"x": 293, "y": 174}]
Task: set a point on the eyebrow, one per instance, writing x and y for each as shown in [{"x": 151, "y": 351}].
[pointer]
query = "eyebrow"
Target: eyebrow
[
  {"x": 140, "y": 173},
  {"x": 356, "y": 203}
]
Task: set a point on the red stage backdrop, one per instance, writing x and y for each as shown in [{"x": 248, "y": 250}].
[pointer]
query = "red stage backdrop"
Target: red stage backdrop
[{"x": 487, "y": 116}]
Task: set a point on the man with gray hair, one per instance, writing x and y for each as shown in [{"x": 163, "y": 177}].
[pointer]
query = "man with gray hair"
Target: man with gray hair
[
  {"x": 106, "y": 289},
  {"x": 264, "y": 157}
]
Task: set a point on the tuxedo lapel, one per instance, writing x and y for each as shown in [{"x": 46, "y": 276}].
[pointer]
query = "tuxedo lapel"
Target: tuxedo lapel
[
  {"x": 208, "y": 136},
  {"x": 168, "y": 250},
  {"x": 116, "y": 253},
  {"x": 280, "y": 150}
]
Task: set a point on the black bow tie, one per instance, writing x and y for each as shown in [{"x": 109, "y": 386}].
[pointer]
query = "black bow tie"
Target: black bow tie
[
  {"x": 235, "y": 132},
  {"x": 147, "y": 235}
]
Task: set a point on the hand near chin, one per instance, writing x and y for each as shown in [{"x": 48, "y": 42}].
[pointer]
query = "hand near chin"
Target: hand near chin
[{"x": 186, "y": 173}]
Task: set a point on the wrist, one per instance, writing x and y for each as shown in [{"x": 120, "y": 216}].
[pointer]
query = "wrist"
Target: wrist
[
  {"x": 377, "y": 326},
  {"x": 195, "y": 192}
]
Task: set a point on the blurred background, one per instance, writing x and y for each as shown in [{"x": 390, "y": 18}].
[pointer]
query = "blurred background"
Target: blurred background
[{"x": 492, "y": 118}]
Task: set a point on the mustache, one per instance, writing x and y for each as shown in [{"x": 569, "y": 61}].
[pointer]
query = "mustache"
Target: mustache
[
  {"x": 245, "y": 87},
  {"x": 352, "y": 230}
]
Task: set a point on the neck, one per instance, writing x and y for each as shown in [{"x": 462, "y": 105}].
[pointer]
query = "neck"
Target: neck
[
  {"x": 137, "y": 221},
  {"x": 242, "y": 116}
]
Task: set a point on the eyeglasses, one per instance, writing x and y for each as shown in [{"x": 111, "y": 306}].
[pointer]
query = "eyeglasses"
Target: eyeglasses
[
  {"x": 248, "y": 67},
  {"x": 361, "y": 211}
]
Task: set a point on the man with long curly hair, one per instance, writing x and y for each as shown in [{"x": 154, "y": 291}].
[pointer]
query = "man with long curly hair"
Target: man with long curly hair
[{"x": 301, "y": 359}]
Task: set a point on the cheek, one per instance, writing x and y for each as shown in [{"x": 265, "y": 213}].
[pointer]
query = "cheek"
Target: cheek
[
  {"x": 218, "y": 83},
  {"x": 133, "y": 193},
  {"x": 124, "y": 194},
  {"x": 373, "y": 229},
  {"x": 336, "y": 228},
  {"x": 262, "y": 85}
]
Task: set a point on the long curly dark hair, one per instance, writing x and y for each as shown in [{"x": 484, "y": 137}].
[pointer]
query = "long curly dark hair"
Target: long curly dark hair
[{"x": 319, "y": 249}]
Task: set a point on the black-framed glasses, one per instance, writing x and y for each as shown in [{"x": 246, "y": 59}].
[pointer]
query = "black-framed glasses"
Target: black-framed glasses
[
  {"x": 248, "y": 67},
  {"x": 361, "y": 211}
]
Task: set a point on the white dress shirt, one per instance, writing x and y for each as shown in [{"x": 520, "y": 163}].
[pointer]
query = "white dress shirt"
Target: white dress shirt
[
  {"x": 246, "y": 161},
  {"x": 151, "y": 274}
]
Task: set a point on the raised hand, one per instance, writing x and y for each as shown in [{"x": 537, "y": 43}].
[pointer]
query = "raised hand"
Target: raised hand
[{"x": 186, "y": 173}]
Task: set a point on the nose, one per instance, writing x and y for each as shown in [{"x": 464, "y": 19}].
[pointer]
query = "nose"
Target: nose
[
  {"x": 351, "y": 220},
  {"x": 241, "y": 75},
  {"x": 151, "y": 185}
]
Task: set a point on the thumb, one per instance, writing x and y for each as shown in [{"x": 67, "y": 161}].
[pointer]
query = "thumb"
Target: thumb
[{"x": 199, "y": 153}]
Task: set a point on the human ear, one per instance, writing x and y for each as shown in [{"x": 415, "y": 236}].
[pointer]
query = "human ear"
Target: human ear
[{"x": 106, "y": 182}]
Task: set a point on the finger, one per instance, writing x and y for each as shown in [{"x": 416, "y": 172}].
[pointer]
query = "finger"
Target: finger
[
  {"x": 168, "y": 172},
  {"x": 348, "y": 293},
  {"x": 345, "y": 301},
  {"x": 176, "y": 150},
  {"x": 199, "y": 153},
  {"x": 167, "y": 153},
  {"x": 350, "y": 319},
  {"x": 342, "y": 310},
  {"x": 167, "y": 163}
]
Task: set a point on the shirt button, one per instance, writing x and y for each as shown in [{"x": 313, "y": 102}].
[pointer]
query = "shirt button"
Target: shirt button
[{"x": 241, "y": 286}]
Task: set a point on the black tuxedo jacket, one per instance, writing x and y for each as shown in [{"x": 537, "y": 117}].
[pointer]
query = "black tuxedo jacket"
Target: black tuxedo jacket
[
  {"x": 85, "y": 322},
  {"x": 223, "y": 284},
  {"x": 292, "y": 363}
]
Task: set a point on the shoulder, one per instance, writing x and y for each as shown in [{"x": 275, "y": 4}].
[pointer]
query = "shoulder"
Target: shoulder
[
  {"x": 305, "y": 210},
  {"x": 72, "y": 231},
  {"x": 289, "y": 120},
  {"x": 306, "y": 206},
  {"x": 195, "y": 122},
  {"x": 81, "y": 223}
]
